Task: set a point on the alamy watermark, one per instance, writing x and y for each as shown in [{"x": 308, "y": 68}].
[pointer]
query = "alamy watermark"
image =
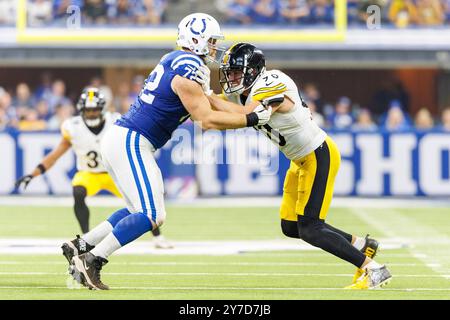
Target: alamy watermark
[
  {"x": 231, "y": 147},
  {"x": 373, "y": 21},
  {"x": 74, "y": 17}
]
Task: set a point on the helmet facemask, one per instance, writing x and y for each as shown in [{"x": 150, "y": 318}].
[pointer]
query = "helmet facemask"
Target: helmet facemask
[
  {"x": 215, "y": 52},
  {"x": 237, "y": 79},
  {"x": 95, "y": 120},
  {"x": 232, "y": 80},
  {"x": 92, "y": 107}
]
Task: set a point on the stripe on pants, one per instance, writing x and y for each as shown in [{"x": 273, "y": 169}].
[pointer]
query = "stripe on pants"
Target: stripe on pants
[
  {"x": 314, "y": 205},
  {"x": 133, "y": 169},
  {"x": 145, "y": 177}
]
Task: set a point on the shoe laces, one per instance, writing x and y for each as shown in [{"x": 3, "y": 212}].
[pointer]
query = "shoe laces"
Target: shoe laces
[{"x": 82, "y": 244}]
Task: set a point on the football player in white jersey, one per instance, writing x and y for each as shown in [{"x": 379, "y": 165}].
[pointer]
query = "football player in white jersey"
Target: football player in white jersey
[
  {"x": 315, "y": 158},
  {"x": 83, "y": 134}
]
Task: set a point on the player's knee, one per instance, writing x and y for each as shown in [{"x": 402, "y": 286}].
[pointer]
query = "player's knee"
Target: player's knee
[
  {"x": 79, "y": 194},
  {"x": 289, "y": 228},
  {"x": 309, "y": 230},
  {"x": 115, "y": 218}
]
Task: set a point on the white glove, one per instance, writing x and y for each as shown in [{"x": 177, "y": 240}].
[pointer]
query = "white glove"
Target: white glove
[
  {"x": 203, "y": 77},
  {"x": 263, "y": 114}
]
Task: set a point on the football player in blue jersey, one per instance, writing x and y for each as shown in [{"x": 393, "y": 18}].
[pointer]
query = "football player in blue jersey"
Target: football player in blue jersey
[{"x": 171, "y": 94}]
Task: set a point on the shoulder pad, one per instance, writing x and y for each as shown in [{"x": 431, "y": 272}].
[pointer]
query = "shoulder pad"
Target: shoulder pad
[
  {"x": 269, "y": 85},
  {"x": 186, "y": 65}
]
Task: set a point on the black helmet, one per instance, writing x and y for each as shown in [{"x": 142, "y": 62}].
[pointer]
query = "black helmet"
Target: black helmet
[
  {"x": 242, "y": 57},
  {"x": 91, "y": 99}
]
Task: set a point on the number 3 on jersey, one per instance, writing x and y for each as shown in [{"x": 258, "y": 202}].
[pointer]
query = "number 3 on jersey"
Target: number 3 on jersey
[
  {"x": 152, "y": 84},
  {"x": 93, "y": 160}
]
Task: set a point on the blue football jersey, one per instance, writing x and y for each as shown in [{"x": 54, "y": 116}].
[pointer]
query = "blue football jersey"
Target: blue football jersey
[{"x": 158, "y": 111}]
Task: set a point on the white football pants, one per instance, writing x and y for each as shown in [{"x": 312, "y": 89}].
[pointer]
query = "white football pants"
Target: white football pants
[{"x": 128, "y": 157}]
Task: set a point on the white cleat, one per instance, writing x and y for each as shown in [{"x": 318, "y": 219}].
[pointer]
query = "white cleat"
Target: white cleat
[
  {"x": 372, "y": 279},
  {"x": 161, "y": 242}
]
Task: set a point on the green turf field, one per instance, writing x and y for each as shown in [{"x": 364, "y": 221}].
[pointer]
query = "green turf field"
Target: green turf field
[{"x": 421, "y": 268}]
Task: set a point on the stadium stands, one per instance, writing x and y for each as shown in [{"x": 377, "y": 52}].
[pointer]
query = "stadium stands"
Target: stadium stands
[
  {"x": 45, "y": 106},
  {"x": 394, "y": 13}
]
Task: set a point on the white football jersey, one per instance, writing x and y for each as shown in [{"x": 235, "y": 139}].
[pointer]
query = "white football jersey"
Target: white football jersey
[
  {"x": 85, "y": 143},
  {"x": 294, "y": 132}
]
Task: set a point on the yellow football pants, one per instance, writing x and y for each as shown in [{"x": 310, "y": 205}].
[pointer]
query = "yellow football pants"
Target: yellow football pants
[
  {"x": 94, "y": 182},
  {"x": 309, "y": 183}
]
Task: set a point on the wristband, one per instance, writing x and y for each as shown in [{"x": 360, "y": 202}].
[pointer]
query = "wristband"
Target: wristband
[
  {"x": 42, "y": 168},
  {"x": 252, "y": 119}
]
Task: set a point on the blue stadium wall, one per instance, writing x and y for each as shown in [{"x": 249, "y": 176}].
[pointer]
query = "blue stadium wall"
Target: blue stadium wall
[{"x": 242, "y": 162}]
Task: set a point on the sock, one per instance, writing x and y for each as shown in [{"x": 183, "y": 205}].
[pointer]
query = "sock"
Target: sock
[
  {"x": 359, "y": 243},
  {"x": 105, "y": 248},
  {"x": 372, "y": 265},
  {"x": 101, "y": 231},
  {"x": 97, "y": 234},
  {"x": 132, "y": 227},
  {"x": 156, "y": 232}
]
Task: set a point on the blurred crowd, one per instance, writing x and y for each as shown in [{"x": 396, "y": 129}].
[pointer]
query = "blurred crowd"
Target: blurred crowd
[
  {"x": 388, "y": 111},
  {"x": 398, "y": 13},
  {"x": 47, "y": 105},
  {"x": 97, "y": 12}
]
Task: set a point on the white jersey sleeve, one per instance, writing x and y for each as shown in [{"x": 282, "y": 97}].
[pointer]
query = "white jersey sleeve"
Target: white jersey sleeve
[
  {"x": 67, "y": 129},
  {"x": 85, "y": 143}
]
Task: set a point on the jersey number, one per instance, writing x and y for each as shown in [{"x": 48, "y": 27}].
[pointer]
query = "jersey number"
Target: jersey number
[
  {"x": 93, "y": 159},
  {"x": 151, "y": 84},
  {"x": 273, "y": 135},
  {"x": 267, "y": 81}
]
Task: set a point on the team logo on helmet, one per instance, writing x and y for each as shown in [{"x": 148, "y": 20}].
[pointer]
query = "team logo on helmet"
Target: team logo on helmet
[{"x": 198, "y": 32}]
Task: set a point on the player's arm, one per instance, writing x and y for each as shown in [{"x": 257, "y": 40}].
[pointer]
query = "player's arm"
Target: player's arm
[
  {"x": 196, "y": 103},
  {"x": 46, "y": 163},
  {"x": 220, "y": 104},
  {"x": 227, "y": 106}
]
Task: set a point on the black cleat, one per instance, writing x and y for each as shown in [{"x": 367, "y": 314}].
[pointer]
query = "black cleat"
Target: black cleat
[
  {"x": 370, "y": 248},
  {"x": 75, "y": 247},
  {"x": 86, "y": 270}
]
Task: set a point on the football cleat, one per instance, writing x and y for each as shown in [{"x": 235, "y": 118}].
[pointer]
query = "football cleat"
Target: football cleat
[
  {"x": 86, "y": 270},
  {"x": 370, "y": 250},
  {"x": 372, "y": 279},
  {"x": 161, "y": 242},
  {"x": 75, "y": 247}
]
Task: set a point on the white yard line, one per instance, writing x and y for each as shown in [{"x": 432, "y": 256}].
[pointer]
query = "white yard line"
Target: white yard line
[
  {"x": 109, "y": 201},
  {"x": 227, "y": 274},
  {"x": 224, "y": 263},
  {"x": 222, "y": 288},
  {"x": 53, "y": 246},
  {"x": 399, "y": 226}
]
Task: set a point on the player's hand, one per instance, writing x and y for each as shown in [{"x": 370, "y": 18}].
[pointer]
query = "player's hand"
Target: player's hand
[
  {"x": 263, "y": 114},
  {"x": 25, "y": 180},
  {"x": 203, "y": 77}
]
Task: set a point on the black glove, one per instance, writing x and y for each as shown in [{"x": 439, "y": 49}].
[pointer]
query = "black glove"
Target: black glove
[{"x": 25, "y": 180}]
